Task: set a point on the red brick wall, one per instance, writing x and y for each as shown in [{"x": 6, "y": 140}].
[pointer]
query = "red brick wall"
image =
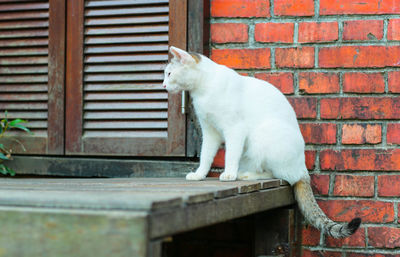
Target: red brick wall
[{"x": 338, "y": 61}]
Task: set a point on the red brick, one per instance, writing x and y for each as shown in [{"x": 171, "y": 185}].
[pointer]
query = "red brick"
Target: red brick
[
  {"x": 219, "y": 159},
  {"x": 320, "y": 253},
  {"x": 369, "y": 211},
  {"x": 310, "y": 159},
  {"x": 353, "y": 185},
  {"x": 320, "y": 184},
  {"x": 393, "y": 32},
  {"x": 282, "y": 80},
  {"x": 310, "y": 236},
  {"x": 319, "y": 133},
  {"x": 318, "y": 32},
  {"x": 360, "y": 108},
  {"x": 329, "y": 7},
  {"x": 371, "y": 255},
  {"x": 274, "y": 32},
  {"x": 384, "y": 237},
  {"x": 360, "y": 159},
  {"x": 359, "y": 56},
  {"x": 229, "y": 32},
  {"x": 363, "y": 30},
  {"x": 243, "y": 58},
  {"x": 294, "y": 7},
  {"x": 357, "y": 82},
  {"x": 318, "y": 83},
  {"x": 302, "y": 57},
  {"x": 355, "y": 240},
  {"x": 240, "y": 8},
  {"x": 389, "y": 185},
  {"x": 393, "y": 133},
  {"x": 305, "y": 107},
  {"x": 394, "y": 81},
  {"x": 359, "y": 134}
]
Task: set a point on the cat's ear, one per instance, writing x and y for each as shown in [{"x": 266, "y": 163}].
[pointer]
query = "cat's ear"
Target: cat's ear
[{"x": 181, "y": 55}]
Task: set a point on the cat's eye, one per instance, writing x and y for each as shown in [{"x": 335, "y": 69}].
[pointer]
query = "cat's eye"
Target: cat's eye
[{"x": 169, "y": 73}]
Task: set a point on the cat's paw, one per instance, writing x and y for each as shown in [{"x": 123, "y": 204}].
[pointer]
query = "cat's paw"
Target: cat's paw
[
  {"x": 195, "y": 176},
  {"x": 225, "y": 176}
]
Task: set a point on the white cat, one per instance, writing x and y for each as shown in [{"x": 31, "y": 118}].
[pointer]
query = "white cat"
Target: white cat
[{"x": 257, "y": 124}]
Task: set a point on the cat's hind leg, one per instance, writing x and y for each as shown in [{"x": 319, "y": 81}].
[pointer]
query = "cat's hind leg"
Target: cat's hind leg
[{"x": 248, "y": 170}]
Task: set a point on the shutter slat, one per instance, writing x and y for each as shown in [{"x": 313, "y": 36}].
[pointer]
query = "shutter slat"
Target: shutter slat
[
  {"x": 24, "y": 42},
  {"x": 126, "y": 20},
  {"x": 24, "y": 15},
  {"x": 23, "y": 97},
  {"x": 127, "y": 58},
  {"x": 123, "y": 3},
  {"x": 154, "y": 95},
  {"x": 23, "y": 106},
  {"x": 24, "y": 51},
  {"x": 24, "y": 24},
  {"x": 126, "y": 11},
  {"x": 123, "y": 86},
  {"x": 100, "y": 125},
  {"x": 124, "y": 77},
  {"x": 126, "y": 49},
  {"x": 24, "y": 88},
  {"x": 24, "y": 33},
  {"x": 23, "y": 79},
  {"x": 24, "y": 7},
  {"x": 25, "y": 115},
  {"x": 127, "y": 115},
  {"x": 126, "y": 39},
  {"x": 124, "y": 68},
  {"x": 24, "y": 70},
  {"x": 126, "y": 134},
  {"x": 22, "y": 60},
  {"x": 126, "y": 105},
  {"x": 126, "y": 30}
]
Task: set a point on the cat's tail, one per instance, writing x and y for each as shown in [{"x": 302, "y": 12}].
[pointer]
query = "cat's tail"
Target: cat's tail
[{"x": 315, "y": 216}]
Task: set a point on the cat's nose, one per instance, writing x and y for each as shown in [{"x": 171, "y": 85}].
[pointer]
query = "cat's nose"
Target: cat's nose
[{"x": 165, "y": 86}]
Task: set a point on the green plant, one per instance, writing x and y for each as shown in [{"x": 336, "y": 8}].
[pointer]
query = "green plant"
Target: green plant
[{"x": 5, "y": 154}]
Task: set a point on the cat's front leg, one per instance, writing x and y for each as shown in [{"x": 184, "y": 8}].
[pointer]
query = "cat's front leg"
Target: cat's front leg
[
  {"x": 234, "y": 143},
  {"x": 209, "y": 147}
]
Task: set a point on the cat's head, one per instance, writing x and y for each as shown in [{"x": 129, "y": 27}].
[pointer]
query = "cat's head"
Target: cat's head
[{"x": 181, "y": 73}]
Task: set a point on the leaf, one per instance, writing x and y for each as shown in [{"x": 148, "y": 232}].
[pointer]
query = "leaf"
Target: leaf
[
  {"x": 3, "y": 169},
  {"x": 6, "y": 170},
  {"x": 15, "y": 122},
  {"x": 10, "y": 171},
  {"x": 3, "y": 157},
  {"x": 18, "y": 126}
]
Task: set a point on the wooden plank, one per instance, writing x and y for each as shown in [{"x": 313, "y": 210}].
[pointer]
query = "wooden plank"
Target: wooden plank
[
  {"x": 100, "y": 125},
  {"x": 126, "y": 49},
  {"x": 24, "y": 7},
  {"x": 24, "y": 15},
  {"x": 150, "y": 76},
  {"x": 18, "y": 24},
  {"x": 176, "y": 120},
  {"x": 23, "y": 42},
  {"x": 212, "y": 212},
  {"x": 109, "y": 200},
  {"x": 53, "y": 232},
  {"x": 56, "y": 69},
  {"x": 124, "y": 146},
  {"x": 74, "y": 80},
  {"x": 114, "y": 105},
  {"x": 24, "y": 87},
  {"x": 37, "y": 69},
  {"x": 126, "y": 58},
  {"x": 126, "y": 86}
]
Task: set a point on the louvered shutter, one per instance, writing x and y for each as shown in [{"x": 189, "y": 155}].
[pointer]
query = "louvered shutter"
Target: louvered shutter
[
  {"x": 32, "y": 72},
  {"x": 120, "y": 52}
]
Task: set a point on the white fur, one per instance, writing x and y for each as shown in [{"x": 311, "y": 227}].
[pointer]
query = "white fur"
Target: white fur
[{"x": 254, "y": 119}]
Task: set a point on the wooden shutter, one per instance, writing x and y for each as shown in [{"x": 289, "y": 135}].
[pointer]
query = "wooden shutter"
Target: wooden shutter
[
  {"x": 117, "y": 51},
  {"x": 32, "y": 72}
]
